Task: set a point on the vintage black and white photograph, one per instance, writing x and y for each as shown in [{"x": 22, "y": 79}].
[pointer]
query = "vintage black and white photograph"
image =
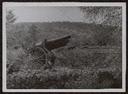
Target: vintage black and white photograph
[{"x": 64, "y": 46}]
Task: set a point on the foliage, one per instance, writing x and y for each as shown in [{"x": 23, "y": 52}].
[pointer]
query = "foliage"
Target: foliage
[
  {"x": 104, "y": 15},
  {"x": 10, "y": 17},
  {"x": 37, "y": 79}
]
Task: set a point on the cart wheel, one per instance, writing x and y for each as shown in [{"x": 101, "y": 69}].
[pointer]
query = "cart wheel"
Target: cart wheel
[{"x": 38, "y": 55}]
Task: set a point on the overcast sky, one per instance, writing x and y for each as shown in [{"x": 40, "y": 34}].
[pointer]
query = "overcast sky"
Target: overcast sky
[{"x": 48, "y": 14}]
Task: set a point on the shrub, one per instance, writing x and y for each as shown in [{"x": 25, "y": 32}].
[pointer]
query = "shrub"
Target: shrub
[{"x": 37, "y": 79}]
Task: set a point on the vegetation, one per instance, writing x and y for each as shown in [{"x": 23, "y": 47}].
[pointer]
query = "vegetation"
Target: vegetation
[
  {"x": 103, "y": 15},
  {"x": 94, "y": 62},
  {"x": 10, "y": 17}
]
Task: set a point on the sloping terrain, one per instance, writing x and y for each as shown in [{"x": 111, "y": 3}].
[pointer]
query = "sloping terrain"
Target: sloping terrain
[{"x": 92, "y": 58}]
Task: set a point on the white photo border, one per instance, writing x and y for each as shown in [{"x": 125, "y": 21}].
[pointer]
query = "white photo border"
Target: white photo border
[{"x": 59, "y": 4}]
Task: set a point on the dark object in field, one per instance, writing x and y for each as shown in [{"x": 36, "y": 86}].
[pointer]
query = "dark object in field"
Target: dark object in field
[
  {"x": 42, "y": 51},
  {"x": 54, "y": 43},
  {"x": 57, "y": 43}
]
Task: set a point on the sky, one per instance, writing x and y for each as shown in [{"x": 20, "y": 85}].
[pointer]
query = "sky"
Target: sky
[{"x": 48, "y": 14}]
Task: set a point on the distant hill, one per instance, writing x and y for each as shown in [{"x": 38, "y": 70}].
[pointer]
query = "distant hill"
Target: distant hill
[{"x": 77, "y": 27}]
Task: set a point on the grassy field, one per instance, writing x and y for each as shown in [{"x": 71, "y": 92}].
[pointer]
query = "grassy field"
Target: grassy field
[{"x": 95, "y": 62}]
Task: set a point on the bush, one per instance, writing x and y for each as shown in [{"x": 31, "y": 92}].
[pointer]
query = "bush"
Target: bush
[
  {"x": 109, "y": 78},
  {"x": 37, "y": 79}
]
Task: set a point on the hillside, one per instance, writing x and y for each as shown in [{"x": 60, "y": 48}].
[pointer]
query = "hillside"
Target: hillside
[{"x": 91, "y": 59}]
